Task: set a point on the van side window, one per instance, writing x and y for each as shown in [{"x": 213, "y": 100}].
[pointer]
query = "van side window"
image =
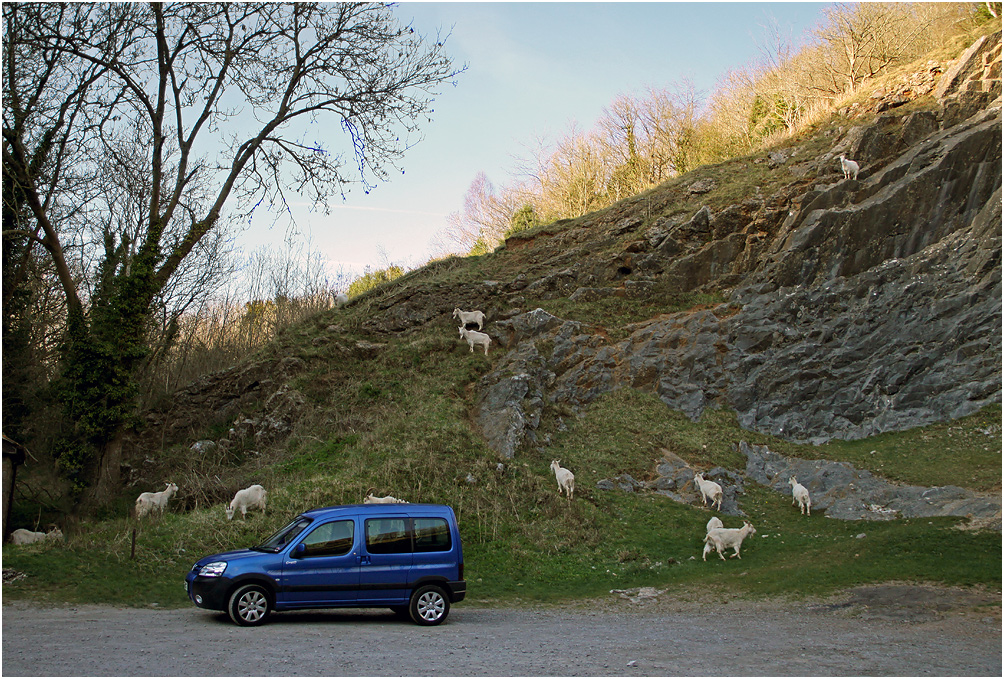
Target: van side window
[
  {"x": 388, "y": 536},
  {"x": 432, "y": 535},
  {"x": 329, "y": 539}
]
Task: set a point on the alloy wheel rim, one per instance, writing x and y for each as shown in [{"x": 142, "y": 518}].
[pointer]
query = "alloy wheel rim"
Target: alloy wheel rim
[
  {"x": 251, "y": 606},
  {"x": 430, "y": 606}
]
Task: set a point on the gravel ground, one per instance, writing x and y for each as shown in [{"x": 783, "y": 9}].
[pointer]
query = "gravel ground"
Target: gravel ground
[{"x": 898, "y": 630}]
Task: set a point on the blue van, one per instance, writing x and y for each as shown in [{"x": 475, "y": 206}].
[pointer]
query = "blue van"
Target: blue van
[{"x": 406, "y": 557}]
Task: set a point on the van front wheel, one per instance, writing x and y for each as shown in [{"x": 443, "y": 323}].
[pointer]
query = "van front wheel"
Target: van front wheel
[
  {"x": 249, "y": 604},
  {"x": 429, "y": 605}
]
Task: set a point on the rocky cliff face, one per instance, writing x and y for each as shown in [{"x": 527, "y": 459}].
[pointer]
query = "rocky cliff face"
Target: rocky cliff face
[
  {"x": 856, "y": 307},
  {"x": 853, "y": 307}
]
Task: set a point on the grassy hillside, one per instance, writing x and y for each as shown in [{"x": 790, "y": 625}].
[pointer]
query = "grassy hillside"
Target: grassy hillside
[{"x": 399, "y": 424}]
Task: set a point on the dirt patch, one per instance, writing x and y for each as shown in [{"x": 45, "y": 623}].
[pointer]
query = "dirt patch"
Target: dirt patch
[{"x": 918, "y": 603}]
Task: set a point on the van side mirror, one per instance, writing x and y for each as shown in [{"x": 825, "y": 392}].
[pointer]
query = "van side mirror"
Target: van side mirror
[{"x": 299, "y": 551}]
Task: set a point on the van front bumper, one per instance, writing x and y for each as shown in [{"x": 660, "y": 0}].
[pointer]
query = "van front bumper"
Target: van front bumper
[{"x": 209, "y": 593}]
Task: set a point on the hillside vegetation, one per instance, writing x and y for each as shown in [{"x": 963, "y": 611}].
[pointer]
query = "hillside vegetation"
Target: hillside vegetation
[{"x": 602, "y": 325}]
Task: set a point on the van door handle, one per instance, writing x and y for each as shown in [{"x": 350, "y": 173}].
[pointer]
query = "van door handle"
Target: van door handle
[{"x": 363, "y": 560}]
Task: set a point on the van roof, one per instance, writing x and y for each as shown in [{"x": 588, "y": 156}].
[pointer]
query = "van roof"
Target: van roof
[{"x": 398, "y": 508}]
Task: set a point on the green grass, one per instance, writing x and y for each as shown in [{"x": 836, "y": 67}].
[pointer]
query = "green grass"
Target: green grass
[
  {"x": 524, "y": 542},
  {"x": 965, "y": 452}
]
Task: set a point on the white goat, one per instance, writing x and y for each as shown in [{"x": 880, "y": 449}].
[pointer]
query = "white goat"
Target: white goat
[
  {"x": 565, "y": 478},
  {"x": 248, "y": 498},
  {"x": 800, "y": 494},
  {"x": 470, "y": 317},
  {"x": 849, "y": 167},
  {"x": 150, "y": 502},
  {"x": 371, "y": 499},
  {"x": 709, "y": 490},
  {"x": 341, "y": 299},
  {"x": 713, "y": 523},
  {"x": 23, "y": 536},
  {"x": 474, "y": 337},
  {"x": 723, "y": 538}
]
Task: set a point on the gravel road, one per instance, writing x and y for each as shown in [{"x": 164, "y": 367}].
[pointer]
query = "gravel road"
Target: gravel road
[{"x": 890, "y": 630}]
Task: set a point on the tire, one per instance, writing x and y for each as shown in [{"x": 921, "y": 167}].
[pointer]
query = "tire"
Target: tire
[
  {"x": 429, "y": 605},
  {"x": 249, "y": 605}
]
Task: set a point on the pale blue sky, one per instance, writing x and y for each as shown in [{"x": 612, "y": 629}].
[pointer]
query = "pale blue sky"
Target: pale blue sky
[{"x": 532, "y": 68}]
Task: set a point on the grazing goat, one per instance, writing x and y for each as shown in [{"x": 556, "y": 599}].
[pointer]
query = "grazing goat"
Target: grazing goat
[
  {"x": 474, "y": 337},
  {"x": 849, "y": 167},
  {"x": 248, "y": 498},
  {"x": 385, "y": 500},
  {"x": 341, "y": 299},
  {"x": 468, "y": 317},
  {"x": 723, "y": 538},
  {"x": 713, "y": 523},
  {"x": 150, "y": 502},
  {"x": 709, "y": 490},
  {"x": 565, "y": 478},
  {"x": 23, "y": 536},
  {"x": 800, "y": 494}
]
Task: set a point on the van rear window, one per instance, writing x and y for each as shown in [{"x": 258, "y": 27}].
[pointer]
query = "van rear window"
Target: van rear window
[
  {"x": 432, "y": 535},
  {"x": 403, "y": 535}
]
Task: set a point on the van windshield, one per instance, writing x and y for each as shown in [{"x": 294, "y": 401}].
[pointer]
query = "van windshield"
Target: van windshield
[{"x": 282, "y": 537}]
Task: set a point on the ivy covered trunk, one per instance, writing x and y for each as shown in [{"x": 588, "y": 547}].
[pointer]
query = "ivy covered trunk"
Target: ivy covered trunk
[{"x": 101, "y": 357}]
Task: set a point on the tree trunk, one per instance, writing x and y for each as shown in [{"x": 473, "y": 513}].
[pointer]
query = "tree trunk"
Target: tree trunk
[{"x": 108, "y": 472}]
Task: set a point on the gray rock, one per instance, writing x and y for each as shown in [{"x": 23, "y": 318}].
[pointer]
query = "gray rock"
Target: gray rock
[
  {"x": 200, "y": 447},
  {"x": 843, "y": 492},
  {"x": 966, "y": 65},
  {"x": 702, "y": 186},
  {"x": 776, "y": 158},
  {"x": 627, "y": 483},
  {"x": 501, "y": 416}
]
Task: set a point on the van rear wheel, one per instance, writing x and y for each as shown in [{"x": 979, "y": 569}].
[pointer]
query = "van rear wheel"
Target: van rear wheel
[{"x": 429, "y": 605}]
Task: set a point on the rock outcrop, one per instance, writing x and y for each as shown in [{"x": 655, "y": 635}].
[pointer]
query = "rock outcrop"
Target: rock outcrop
[
  {"x": 874, "y": 306},
  {"x": 837, "y": 489},
  {"x": 843, "y": 492}
]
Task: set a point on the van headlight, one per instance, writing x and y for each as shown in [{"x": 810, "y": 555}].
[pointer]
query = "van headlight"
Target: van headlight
[{"x": 213, "y": 570}]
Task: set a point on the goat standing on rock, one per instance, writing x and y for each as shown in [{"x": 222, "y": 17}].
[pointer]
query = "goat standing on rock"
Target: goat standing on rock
[
  {"x": 709, "y": 491},
  {"x": 565, "y": 478},
  {"x": 800, "y": 494},
  {"x": 470, "y": 317},
  {"x": 849, "y": 167}
]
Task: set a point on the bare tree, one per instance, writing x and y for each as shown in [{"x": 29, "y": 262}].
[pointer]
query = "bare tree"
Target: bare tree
[
  {"x": 484, "y": 220},
  {"x": 618, "y": 142},
  {"x": 863, "y": 40},
  {"x": 643, "y": 141},
  {"x": 234, "y": 105}
]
